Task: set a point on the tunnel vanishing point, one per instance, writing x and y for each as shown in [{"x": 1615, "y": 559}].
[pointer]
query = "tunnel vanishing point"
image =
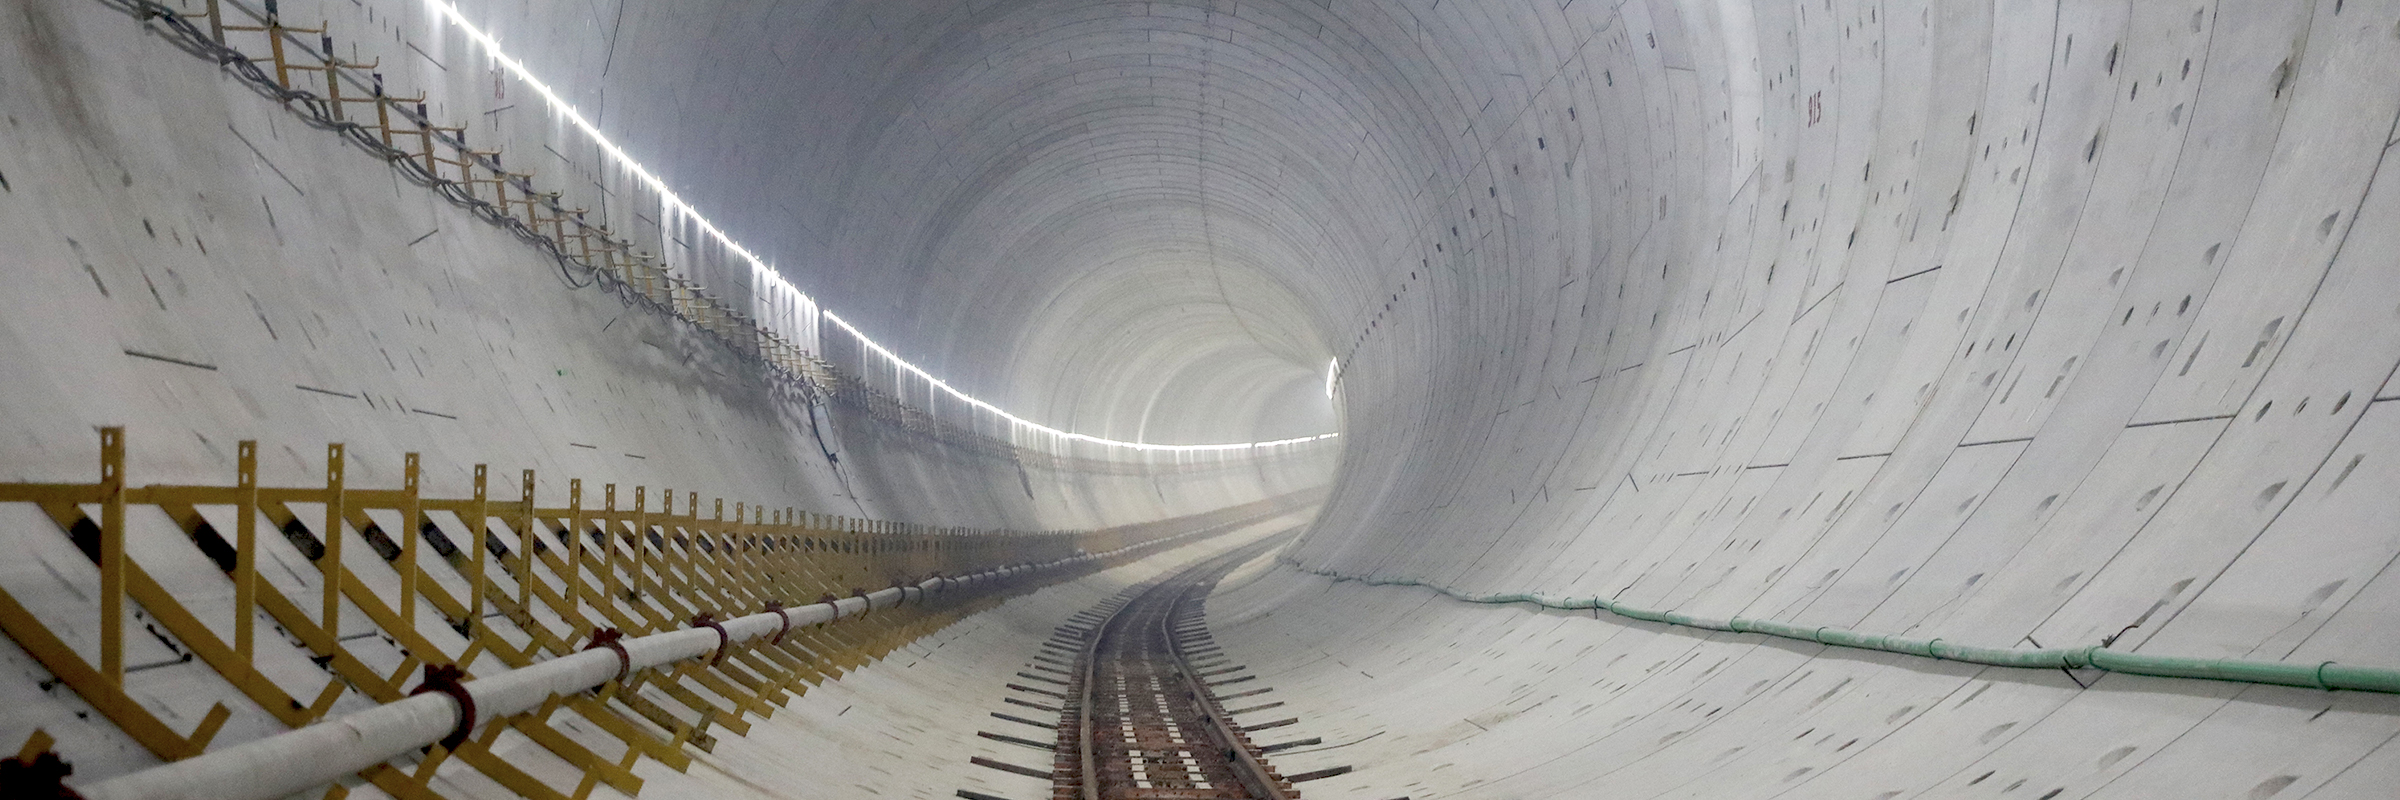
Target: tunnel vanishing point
[{"x": 1102, "y": 399}]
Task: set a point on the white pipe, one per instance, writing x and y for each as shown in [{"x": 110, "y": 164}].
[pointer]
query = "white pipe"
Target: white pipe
[
  {"x": 319, "y": 754},
  {"x": 297, "y": 761}
]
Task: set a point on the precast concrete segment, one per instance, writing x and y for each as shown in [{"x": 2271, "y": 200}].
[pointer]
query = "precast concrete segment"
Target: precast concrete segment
[{"x": 1539, "y": 701}]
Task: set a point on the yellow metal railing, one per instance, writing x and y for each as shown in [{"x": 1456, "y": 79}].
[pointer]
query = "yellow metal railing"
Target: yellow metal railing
[{"x": 512, "y": 580}]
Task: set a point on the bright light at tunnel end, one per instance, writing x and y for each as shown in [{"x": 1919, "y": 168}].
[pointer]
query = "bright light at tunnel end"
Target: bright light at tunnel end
[
  {"x": 1333, "y": 373},
  {"x": 764, "y": 273}
]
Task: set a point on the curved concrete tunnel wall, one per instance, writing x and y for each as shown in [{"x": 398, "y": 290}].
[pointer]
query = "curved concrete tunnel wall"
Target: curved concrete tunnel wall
[
  {"x": 341, "y": 305},
  {"x": 190, "y": 261},
  {"x": 2007, "y": 323}
]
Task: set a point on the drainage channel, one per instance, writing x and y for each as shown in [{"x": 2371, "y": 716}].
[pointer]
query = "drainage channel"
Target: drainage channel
[{"x": 1139, "y": 692}]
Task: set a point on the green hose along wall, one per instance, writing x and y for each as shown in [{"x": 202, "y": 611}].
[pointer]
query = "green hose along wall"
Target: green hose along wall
[{"x": 2327, "y": 675}]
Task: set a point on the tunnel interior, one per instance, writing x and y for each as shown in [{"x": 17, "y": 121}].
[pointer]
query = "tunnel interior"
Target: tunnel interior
[{"x": 2014, "y": 325}]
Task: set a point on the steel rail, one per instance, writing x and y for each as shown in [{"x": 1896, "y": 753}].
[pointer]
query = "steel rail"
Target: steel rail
[
  {"x": 1086, "y": 763},
  {"x": 1246, "y": 764}
]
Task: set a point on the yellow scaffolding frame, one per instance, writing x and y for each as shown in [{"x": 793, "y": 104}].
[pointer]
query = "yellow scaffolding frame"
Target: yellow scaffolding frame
[{"x": 574, "y": 571}]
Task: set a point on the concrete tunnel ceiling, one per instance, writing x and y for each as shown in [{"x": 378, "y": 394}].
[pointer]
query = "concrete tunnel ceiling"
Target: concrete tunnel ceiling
[
  {"x": 2013, "y": 325},
  {"x": 1130, "y": 220}
]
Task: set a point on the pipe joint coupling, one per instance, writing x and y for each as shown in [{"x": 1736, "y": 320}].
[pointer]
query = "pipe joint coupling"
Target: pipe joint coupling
[
  {"x": 709, "y": 621},
  {"x": 450, "y": 680},
  {"x": 775, "y": 607},
  {"x": 614, "y": 640}
]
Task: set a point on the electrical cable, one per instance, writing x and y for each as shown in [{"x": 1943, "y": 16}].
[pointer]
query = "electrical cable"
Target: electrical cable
[{"x": 2324, "y": 675}]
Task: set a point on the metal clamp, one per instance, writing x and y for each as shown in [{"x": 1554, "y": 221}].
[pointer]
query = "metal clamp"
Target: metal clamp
[
  {"x": 707, "y": 620},
  {"x": 449, "y": 679},
  {"x": 776, "y": 607},
  {"x": 613, "y": 639}
]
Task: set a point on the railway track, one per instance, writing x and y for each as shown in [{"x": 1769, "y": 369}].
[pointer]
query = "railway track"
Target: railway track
[{"x": 1139, "y": 721}]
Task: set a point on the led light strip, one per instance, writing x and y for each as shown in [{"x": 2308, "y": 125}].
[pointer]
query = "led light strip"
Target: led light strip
[{"x": 767, "y": 275}]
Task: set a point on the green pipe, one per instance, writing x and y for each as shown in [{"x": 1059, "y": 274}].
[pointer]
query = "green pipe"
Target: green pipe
[{"x": 2327, "y": 675}]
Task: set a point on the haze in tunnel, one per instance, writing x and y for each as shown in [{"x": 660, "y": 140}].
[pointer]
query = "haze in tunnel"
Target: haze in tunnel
[
  {"x": 1059, "y": 208},
  {"x": 2001, "y": 323},
  {"x": 2015, "y": 325}
]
